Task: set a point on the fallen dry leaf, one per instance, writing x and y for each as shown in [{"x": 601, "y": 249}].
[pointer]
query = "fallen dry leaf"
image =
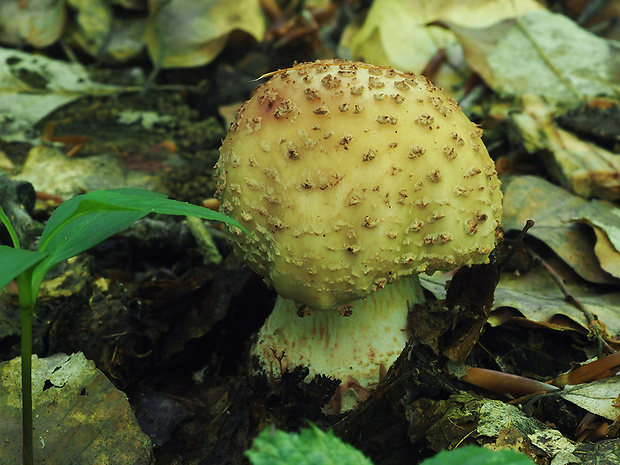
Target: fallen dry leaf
[
  {"x": 79, "y": 416},
  {"x": 554, "y": 210},
  {"x": 187, "y": 33},
  {"x": 40, "y": 24},
  {"x": 393, "y": 27},
  {"x": 579, "y": 165},
  {"x": 535, "y": 54},
  {"x": 597, "y": 397}
]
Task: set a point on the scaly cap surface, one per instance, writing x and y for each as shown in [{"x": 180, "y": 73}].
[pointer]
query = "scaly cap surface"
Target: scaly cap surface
[{"x": 351, "y": 175}]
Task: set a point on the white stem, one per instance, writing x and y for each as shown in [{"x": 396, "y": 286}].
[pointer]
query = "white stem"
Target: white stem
[{"x": 359, "y": 347}]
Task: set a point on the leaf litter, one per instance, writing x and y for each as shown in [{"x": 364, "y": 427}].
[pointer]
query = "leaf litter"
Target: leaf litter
[{"x": 575, "y": 226}]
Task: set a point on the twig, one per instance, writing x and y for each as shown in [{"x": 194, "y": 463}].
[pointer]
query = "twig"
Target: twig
[
  {"x": 528, "y": 225},
  {"x": 593, "y": 322}
]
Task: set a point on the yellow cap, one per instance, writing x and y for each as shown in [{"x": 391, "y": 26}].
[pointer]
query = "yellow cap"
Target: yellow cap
[{"x": 349, "y": 176}]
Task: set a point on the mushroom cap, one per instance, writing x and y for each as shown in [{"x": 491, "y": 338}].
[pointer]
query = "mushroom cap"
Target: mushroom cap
[{"x": 349, "y": 176}]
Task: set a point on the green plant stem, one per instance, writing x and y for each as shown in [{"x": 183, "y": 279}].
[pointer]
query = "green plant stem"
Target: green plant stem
[
  {"x": 9, "y": 227},
  {"x": 26, "y": 307}
]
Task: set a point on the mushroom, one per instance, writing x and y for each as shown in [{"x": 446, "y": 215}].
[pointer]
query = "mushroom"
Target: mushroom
[{"x": 352, "y": 180}]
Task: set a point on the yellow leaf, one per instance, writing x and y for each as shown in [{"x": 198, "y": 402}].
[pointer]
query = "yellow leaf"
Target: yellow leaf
[
  {"x": 185, "y": 33},
  {"x": 397, "y": 32}
]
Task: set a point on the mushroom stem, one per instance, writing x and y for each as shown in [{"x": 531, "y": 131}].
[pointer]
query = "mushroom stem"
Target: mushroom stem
[{"x": 357, "y": 349}]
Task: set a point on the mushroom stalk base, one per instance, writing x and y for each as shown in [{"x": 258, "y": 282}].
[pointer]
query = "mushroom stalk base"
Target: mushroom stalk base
[{"x": 357, "y": 349}]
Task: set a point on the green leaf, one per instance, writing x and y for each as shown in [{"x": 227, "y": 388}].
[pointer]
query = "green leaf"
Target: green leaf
[
  {"x": 73, "y": 207},
  {"x": 15, "y": 261},
  {"x": 84, "y": 231},
  {"x": 310, "y": 447},
  {"x": 314, "y": 447},
  {"x": 86, "y": 220},
  {"x": 472, "y": 455}
]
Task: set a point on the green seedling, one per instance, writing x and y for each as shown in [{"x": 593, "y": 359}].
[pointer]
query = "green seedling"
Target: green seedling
[
  {"x": 75, "y": 226},
  {"x": 311, "y": 446}
]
